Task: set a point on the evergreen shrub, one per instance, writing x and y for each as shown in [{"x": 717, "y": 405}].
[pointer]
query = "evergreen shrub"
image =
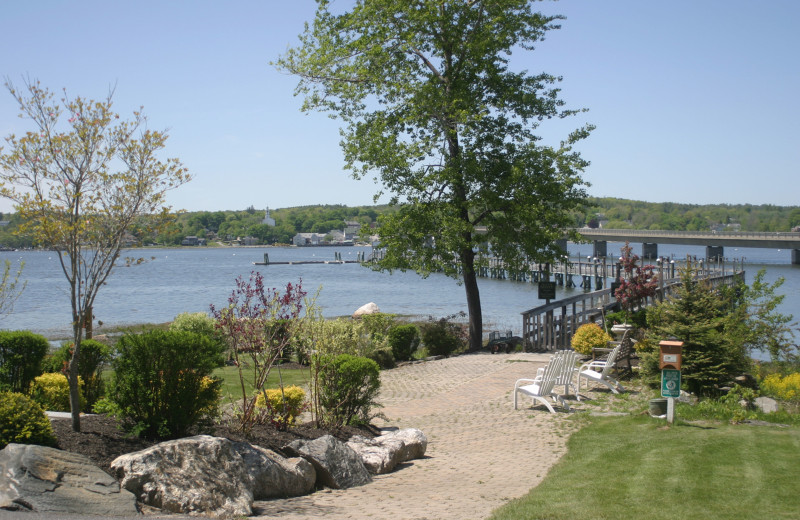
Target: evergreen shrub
[
  {"x": 403, "y": 340},
  {"x": 161, "y": 382},
  {"x": 22, "y": 421},
  {"x": 21, "y": 355},
  {"x": 348, "y": 386},
  {"x": 442, "y": 337}
]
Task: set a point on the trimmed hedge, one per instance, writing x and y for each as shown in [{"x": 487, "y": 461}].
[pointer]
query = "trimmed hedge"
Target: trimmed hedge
[
  {"x": 348, "y": 386},
  {"x": 21, "y": 355}
]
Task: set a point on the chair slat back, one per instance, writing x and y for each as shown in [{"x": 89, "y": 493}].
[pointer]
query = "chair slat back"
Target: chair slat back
[
  {"x": 611, "y": 360},
  {"x": 551, "y": 373},
  {"x": 568, "y": 367}
]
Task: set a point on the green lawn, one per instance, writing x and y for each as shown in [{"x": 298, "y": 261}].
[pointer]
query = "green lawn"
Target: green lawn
[
  {"x": 635, "y": 467},
  {"x": 232, "y": 387}
]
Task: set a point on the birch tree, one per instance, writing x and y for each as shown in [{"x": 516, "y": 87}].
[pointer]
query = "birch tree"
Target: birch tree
[{"x": 80, "y": 178}]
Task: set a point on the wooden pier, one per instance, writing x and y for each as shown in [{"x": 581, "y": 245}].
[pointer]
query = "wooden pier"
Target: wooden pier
[
  {"x": 337, "y": 259},
  {"x": 551, "y": 326}
]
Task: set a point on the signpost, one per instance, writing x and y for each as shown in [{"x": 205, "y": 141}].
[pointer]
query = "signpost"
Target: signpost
[
  {"x": 670, "y": 361},
  {"x": 547, "y": 291}
]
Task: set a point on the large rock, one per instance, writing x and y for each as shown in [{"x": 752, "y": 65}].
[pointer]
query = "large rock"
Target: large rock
[
  {"x": 272, "y": 475},
  {"x": 766, "y": 404},
  {"x": 337, "y": 465},
  {"x": 47, "y": 480},
  {"x": 199, "y": 474},
  {"x": 414, "y": 440},
  {"x": 379, "y": 455},
  {"x": 369, "y": 308}
]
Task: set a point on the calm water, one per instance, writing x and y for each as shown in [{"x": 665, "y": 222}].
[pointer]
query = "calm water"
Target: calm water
[{"x": 189, "y": 280}]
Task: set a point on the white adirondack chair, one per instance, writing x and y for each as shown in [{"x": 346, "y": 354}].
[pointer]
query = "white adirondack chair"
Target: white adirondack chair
[
  {"x": 599, "y": 371},
  {"x": 569, "y": 371},
  {"x": 542, "y": 387}
]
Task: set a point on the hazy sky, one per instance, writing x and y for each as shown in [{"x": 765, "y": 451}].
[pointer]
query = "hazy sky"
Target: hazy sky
[{"x": 695, "y": 101}]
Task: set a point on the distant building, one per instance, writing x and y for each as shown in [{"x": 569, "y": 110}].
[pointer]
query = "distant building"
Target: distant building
[
  {"x": 193, "y": 241},
  {"x": 307, "y": 239},
  {"x": 268, "y": 220}
]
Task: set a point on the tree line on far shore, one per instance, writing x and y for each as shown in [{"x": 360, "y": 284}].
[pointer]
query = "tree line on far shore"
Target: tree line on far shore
[{"x": 613, "y": 213}]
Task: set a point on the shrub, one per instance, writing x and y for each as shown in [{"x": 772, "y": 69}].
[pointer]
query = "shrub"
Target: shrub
[
  {"x": 21, "y": 354},
  {"x": 347, "y": 388},
  {"x": 442, "y": 337},
  {"x": 161, "y": 382},
  {"x": 22, "y": 421},
  {"x": 282, "y": 406},
  {"x": 199, "y": 323},
  {"x": 589, "y": 336},
  {"x": 403, "y": 340},
  {"x": 51, "y": 392},
  {"x": 93, "y": 358},
  {"x": 383, "y": 357}
]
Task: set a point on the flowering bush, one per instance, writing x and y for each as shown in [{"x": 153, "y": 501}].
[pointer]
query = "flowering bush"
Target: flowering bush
[
  {"x": 282, "y": 407},
  {"x": 785, "y": 388},
  {"x": 589, "y": 336}
]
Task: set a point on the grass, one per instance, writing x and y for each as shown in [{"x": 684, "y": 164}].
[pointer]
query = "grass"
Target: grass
[
  {"x": 232, "y": 387},
  {"x": 636, "y": 467}
]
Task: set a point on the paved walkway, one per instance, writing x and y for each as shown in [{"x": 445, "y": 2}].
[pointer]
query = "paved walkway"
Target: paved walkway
[{"x": 481, "y": 452}]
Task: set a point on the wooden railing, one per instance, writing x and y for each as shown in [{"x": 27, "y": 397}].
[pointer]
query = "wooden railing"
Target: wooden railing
[{"x": 551, "y": 326}]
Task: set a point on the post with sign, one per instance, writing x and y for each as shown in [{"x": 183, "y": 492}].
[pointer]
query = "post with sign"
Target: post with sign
[{"x": 670, "y": 361}]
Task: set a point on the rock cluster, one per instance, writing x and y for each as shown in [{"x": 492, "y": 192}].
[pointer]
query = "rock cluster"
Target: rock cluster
[{"x": 196, "y": 475}]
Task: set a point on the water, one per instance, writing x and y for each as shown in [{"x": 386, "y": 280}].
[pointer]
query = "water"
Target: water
[{"x": 189, "y": 280}]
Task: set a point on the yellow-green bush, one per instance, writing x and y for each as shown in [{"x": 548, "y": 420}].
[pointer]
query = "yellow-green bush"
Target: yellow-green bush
[
  {"x": 784, "y": 388},
  {"x": 51, "y": 392},
  {"x": 589, "y": 336},
  {"x": 22, "y": 421},
  {"x": 293, "y": 396}
]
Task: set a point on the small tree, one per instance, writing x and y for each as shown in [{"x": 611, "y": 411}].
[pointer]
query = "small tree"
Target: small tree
[
  {"x": 636, "y": 283},
  {"x": 79, "y": 185},
  {"x": 10, "y": 288},
  {"x": 258, "y": 323}
]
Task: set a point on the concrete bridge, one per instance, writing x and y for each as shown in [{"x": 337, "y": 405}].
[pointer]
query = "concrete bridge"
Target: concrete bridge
[{"x": 714, "y": 242}]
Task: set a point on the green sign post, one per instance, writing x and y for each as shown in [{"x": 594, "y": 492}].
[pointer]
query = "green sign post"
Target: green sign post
[{"x": 670, "y": 383}]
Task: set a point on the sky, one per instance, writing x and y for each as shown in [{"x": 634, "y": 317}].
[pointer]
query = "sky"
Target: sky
[{"x": 694, "y": 101}]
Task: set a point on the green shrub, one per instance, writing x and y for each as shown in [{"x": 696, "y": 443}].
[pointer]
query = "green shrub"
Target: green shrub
[
  {"x": 51, "y": 392},
  {"x": 282, "y": 407},
  {"x": 159, "y": 383},
  {"x": 589, "y": 336},
  {"x": 22, "y": 421},
  {"x": 94, "y": 357},
  {"x": 403, "y": 340},
  {"x": 442, "y": 337},
  {"x": 199, "y": 323},
  {"x": 21, "y": 354},
  {"x": 383, "y": 357},
  {"x": 347, "y": 386}
]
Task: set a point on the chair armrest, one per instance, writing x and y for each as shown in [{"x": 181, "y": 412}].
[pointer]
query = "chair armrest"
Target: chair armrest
[
  {"x": 592, "y": 364},
  {"x": 525, "y": 380}
]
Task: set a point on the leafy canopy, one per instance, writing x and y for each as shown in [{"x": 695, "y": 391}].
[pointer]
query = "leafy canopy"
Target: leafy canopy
[{"x": 432, "y": 107}]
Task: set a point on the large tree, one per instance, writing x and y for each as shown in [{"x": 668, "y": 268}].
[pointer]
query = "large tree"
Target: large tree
[
  {"x": 432, "y": 108},
  {"x": 80, "y": 179}
]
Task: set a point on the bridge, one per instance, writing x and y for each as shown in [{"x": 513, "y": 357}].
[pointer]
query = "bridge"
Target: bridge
[{"x": 714, "y": 242}]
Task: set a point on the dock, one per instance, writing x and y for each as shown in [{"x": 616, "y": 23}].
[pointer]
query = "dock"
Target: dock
[{"x": 337, "y": 259}]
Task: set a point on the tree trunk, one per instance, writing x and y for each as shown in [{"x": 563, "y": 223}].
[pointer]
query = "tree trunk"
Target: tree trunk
[
  {"x": 74, "y": 390},
  {"x": 473, "y": 301}
]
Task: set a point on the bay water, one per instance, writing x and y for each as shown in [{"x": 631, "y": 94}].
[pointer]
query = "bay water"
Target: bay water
[{"x": 178, "y": 280}]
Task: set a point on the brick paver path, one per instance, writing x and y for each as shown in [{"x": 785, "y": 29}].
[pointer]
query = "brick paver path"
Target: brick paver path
[{"x": 481, "y": 452}]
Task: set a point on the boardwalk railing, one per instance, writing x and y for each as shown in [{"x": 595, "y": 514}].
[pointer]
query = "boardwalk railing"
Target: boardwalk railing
[{"x": 551, "y": 326}]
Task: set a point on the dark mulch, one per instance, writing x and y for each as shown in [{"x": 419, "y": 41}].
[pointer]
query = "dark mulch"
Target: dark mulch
[{"x": 102, "y": 440}]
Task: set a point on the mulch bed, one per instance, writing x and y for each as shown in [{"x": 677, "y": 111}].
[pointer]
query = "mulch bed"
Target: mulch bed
[{"x": 102, "y": 440}]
